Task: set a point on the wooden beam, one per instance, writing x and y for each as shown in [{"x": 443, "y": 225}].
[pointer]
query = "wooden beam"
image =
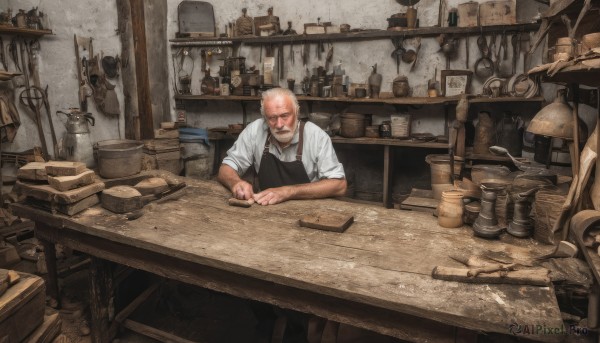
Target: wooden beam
[
  {"x": 138, "y": 24},
  {"x": 131, "y": 114}
]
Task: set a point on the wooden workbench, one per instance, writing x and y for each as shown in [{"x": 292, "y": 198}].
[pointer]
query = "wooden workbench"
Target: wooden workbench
[{"x": 376, "y": 275}]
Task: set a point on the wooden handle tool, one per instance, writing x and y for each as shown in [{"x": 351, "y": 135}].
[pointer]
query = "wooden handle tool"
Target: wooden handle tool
[{"x": 239, "y": 203}]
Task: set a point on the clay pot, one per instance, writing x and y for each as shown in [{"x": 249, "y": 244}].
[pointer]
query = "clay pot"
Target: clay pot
[
  {"x": 450, "y": 209},
  {"x": 353, "y": 125},
  {"x": 400, "y": 87}
]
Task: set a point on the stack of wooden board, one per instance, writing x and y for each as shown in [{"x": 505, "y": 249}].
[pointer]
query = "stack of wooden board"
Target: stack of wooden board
[
  {"x": 22, "y": 307},
  {"x": 164, "y": 151},
  {"x": 66, "y": 187}
]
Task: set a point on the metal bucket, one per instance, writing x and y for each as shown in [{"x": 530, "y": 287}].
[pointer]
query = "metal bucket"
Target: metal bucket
[{"x": 119, "y": 157}]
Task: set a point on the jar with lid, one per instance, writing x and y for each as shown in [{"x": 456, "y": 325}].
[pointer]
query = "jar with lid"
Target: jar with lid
[
  {"x": 400, "y": 87},
  {"x": 385, "y": 129},
  {"x": 450, "y": 209}
]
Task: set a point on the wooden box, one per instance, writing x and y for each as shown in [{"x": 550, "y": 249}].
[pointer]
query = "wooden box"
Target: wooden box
[
  {"x": 499, "y": 12},
  {"x": 22, "y": 308},
  {"x": 468, "y": 14}
]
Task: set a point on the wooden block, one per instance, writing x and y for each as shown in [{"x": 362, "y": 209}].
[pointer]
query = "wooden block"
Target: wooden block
[
  {"x": 68, "y": 209},
  {"x": 420, "y": 204},
  {"x": 49, "y": 194},
  {"x": 64, "y": 168},
  {"x": 13, "y": 277},
  {"x": 165, "y": 134},
  {"x": 121, "y": 199},
  {"x": 81, "y": 205},
  {"x": 327, "y": 220},
  {"x": 46, "y": 332},
  {"x": 169, "y": 125},
  {"x": 153, "y": 185},
  {"x": 65, "y": 183},
  {"x": 8, "y": 255},
  {"x": 239, "y": 203},
  {"x": 531, "y": 276},
  {"x": 22, "y": 308},
  {"x": 33, "y": 171}
]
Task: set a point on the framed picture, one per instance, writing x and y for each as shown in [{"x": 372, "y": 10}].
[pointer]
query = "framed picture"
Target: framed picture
[{"x": 456, "y": 82}]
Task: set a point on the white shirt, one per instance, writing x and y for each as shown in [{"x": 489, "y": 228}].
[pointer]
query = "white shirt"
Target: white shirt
[{"x": 318, "y": 157}]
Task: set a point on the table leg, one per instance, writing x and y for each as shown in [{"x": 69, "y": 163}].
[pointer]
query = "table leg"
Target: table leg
[
  {"x": 388, "y": 167},
  {"x": 100, "y": 278},
  {"x": 50, "y": 256}
]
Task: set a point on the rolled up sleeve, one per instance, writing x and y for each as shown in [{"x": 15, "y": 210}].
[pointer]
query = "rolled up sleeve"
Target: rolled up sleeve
[
  {"x": 240, "y": 156},
  {"x": 328, "y": 165}
]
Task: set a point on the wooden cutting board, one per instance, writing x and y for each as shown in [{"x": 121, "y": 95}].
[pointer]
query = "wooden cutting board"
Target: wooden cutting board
[{"x": 327, "y": 220}]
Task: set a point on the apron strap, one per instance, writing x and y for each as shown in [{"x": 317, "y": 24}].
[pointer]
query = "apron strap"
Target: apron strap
[
  {"x": 300, "y": 142},
  {"x": 267, "y": 144}
]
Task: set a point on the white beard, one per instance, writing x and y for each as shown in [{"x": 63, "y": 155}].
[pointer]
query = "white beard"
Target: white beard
[{"x": 285, "y": 135}]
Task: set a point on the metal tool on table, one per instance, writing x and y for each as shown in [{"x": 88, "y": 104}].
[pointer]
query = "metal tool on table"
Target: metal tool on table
[{"x": 484, "y": 66}]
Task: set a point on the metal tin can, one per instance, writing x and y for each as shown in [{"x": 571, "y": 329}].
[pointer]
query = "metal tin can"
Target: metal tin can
[{"x": 385, "y": 129}]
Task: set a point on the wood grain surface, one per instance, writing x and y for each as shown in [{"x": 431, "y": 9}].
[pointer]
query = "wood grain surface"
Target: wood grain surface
[{"x": 383, "y": 261}]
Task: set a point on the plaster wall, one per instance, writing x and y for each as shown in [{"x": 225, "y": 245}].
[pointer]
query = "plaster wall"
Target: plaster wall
[
  {"x": 98, "y": 19},
  {"x": 57, "y": 65}
]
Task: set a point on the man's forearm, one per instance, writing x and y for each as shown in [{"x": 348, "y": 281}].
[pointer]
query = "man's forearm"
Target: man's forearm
[
  {"x": 320, "y": 189},
  {"x": 227, "y": 176}
]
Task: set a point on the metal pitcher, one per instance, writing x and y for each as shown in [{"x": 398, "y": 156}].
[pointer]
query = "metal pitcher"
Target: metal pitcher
[{"x": 77, "y": 143}]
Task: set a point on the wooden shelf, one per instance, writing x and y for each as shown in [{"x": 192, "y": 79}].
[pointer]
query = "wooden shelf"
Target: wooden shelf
[
  {"x": 366, "y": 34},
  {"x": 391, "y": 101},
  {"x": 23, "y": 32},
  {"x": 578, "y": 73},
  {"x": 389, "y": 142}
]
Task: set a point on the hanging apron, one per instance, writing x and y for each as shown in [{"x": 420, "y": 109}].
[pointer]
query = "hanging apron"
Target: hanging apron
[{"x": 276, "y": 173}]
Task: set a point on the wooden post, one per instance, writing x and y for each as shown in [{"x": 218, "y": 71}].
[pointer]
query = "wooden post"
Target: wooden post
[
  {"x": 130, "y": 96},
  {"x": 575, "y": 167},
  {"x": 50, "y": 256},
  {"x": 388, "y": 167},
  {"x": 100, "y": 279},
  {"x": 138, "y": 25},
  {"x": 143, "y": 27}
]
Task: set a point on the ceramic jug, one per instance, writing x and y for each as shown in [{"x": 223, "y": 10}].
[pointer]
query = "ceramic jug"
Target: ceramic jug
[
  {"x": 374, "y": 82},
  {"x": 77, "y": 143}
]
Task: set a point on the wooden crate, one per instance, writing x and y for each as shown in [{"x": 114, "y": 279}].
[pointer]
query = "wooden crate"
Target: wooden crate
[
  {"x": 22, "y": 308},
  {"x": 498, "y": 12}
]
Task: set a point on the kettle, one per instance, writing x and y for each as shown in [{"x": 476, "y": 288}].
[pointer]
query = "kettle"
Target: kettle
[{"x": 77, "y": 144}]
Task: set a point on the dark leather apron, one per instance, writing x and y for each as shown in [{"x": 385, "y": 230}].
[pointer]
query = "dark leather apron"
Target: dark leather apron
[{"x": 276, "y": 173}]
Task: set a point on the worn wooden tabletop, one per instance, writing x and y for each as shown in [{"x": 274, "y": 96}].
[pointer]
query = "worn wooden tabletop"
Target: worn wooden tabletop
[{"x": 383, "y": 261}]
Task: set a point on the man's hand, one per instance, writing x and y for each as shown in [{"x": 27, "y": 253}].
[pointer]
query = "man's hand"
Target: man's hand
[
  {"x": 272, "y": 196},
  {"x": 243, "y": 190}
]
